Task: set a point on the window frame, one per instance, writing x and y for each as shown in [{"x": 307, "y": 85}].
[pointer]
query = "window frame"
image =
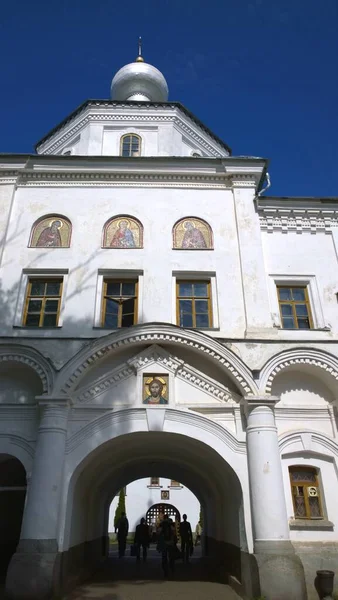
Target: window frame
[
  {"x": 152, "y": 484},
  {"x": 179, "y": 281},
  {"x": 293, "y": 305},
  {"x": 125, "y": 135},
  {"x": 44, "y": 298},
  {"x": 120, "y": 280},
  {"x": 305, "y": 485}
]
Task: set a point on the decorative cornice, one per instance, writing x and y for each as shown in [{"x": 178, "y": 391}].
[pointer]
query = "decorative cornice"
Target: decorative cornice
[
  {"x": 146, "y": 359},
  {"x": 215, "y": 150},
  {"x": 299, "y": 356},
  {"x": 307, "y": 438},
  {"x": 157, "y": 333},
  {"x": 105, "y": 179},
  {"x": 30, "y": 358},
  {"x": 297, "y": 220}
]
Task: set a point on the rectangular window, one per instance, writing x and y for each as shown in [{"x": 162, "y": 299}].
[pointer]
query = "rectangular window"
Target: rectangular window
[
  {"x": 193, "y": 300},
  {"x": 43, "y": 301},
  {"x": 119, "y": 303},
  {"x": 174, "y": 483},
  {"x": 305, "y": 493},
  {"x": 154, "y": 481},
  {"x": 294, "y": 307}
]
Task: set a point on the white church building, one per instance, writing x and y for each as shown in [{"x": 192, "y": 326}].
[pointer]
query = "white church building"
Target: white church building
[{"x": 163, "y": 315}]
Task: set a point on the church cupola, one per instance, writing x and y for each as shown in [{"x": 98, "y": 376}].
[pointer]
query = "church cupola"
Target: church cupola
[{"x": 139, "y": 81}]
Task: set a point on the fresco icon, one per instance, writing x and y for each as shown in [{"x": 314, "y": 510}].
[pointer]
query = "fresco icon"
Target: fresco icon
[
  {"x": 123, "y": 232},
  {"x": 51, "y": 232},
  {"x": 155, "y": 389},
  {"x": 192, "y": 234}
]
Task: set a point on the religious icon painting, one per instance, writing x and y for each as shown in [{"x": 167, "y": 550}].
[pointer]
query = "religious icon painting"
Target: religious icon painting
[
  {"x": 51, "y": 232},
  {"x": 123, "y": 232},
  {"x": 192, "y": 234},
  {"x": 155, "y": 389},
  {"x": 165, "y": 495}
]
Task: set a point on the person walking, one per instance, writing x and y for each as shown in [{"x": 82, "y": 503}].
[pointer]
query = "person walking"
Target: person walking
[
  {"x": 122, "y": 533},
  {"x": 167, "y": 544},
  {"x": 186, "y": 539},
  {"x": 198, "y": 533},
  {"x": 142, "y": 538}
]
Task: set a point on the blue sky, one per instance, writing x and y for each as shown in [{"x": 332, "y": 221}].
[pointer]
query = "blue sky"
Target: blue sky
[{"x": 262, "y": 74}]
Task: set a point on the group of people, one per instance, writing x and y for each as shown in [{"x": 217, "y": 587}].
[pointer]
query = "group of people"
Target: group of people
[{"x": 167, "y": 539}]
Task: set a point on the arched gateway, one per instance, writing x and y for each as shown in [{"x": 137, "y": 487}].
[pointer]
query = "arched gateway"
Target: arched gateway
[{"x": 97, "y": 434}]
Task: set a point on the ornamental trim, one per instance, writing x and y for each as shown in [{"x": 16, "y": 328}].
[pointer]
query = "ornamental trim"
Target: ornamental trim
[
  {"x": 165, "y": 334},
  {"x": 167, "y": 180},
  {"x": 46, "y": 376},
  {"x": 169, "y": 363},
  {"x": 91, "y": 117},
  {"x": 301, "y": 356},
  {"x": 299, "y": 221}
]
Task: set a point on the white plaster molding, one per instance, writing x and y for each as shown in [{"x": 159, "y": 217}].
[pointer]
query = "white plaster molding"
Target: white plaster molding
[
  {"x": 106, "y": 179},
  {"x": 160, "y": 333},
  {"x": 298, "y": 356},
  {"x": 131, "y": 114},
  {"x": 308, "y": 439},
  {"x": 297, "y": 220},
  {"x": 116, "y": 418},
  {"x": 155, "y": 418},
  {"x": 13, "y": 444},
  {"x": 145, "y": 360},
  {"x": 32, "y": 359}
]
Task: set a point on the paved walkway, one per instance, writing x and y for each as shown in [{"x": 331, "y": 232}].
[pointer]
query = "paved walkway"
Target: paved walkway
[{"x": 127, "y": 580}]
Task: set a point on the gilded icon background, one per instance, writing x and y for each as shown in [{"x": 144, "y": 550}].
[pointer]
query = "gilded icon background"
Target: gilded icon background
[
  {"x": 155, "y": 389},
  {"x": 51, "y": 232},
  {"x": 192, "y": 234},
  {"x": 123, "y": 232}
]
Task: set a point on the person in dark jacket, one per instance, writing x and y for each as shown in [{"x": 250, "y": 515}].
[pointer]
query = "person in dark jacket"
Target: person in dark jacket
[
  {"x": 142, "y": 538},
  {"x": 186, "y": 539},
  {"x": 122, "y": 534},
  {"x": 167, "y": 544}
]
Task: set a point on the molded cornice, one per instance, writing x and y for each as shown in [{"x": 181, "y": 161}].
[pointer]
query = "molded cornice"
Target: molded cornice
[{"x": 158, "y": 333}]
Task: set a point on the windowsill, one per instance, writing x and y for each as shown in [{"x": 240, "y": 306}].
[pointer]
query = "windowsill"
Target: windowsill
[
  {"x": 200, "y": 328},
  {"x": 175, "y": 487},
  {"x": 29, "y": 328},
  {"x": 310, "y": 525},
  {"x": 194, "y": 249},
  {"x": 325, "y": 329},
  {"x": 155, "y": 487},
  {"x": 112, "y": 328}
]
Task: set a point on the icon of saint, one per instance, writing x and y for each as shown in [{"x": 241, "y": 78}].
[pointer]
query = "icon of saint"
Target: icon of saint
[
  {"x": 193, "y": 238},
  {"x": 155, "y": 393},
  {"x": 123, "y": 236},
  {"x": 50, "y": 237}
]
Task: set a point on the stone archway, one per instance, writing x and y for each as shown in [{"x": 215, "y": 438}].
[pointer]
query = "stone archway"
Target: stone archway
[
  {"x": 202, "y": 455},
  {"x": 12, "y": 500},
  {"x": 156, "y": 510}
]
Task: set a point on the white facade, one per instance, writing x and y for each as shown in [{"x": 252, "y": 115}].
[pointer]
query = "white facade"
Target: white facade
[
  {"x": 141, "y": 496},
  {"x": 248, "y": 399}
]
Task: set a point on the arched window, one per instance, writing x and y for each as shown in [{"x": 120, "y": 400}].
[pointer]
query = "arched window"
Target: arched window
[
  {"x": 192, "y": 233},
  {"x": 130, "y": 145},
  {"x": 305, "y": 492},
  {"x": 123, "y": 232},
  {"x": 52, "y": 231}
]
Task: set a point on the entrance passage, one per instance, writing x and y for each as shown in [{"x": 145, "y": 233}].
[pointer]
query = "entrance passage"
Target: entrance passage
[
  {"x": 12, "y": 500},
  {"x": 157, "y": 511}
]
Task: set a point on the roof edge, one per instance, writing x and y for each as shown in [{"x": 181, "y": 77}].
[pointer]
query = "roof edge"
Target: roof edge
[{"x": 108, "y": 102}]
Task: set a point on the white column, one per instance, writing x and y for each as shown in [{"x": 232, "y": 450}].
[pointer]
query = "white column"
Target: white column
[
  {"x": 270, "y": 523},
  {"x": 254, "y": 281},
  {"x": 40, "y": 519}
]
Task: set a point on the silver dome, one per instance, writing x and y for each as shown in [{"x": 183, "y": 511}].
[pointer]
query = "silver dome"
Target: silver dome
[{"x": 139, "y": 81}]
